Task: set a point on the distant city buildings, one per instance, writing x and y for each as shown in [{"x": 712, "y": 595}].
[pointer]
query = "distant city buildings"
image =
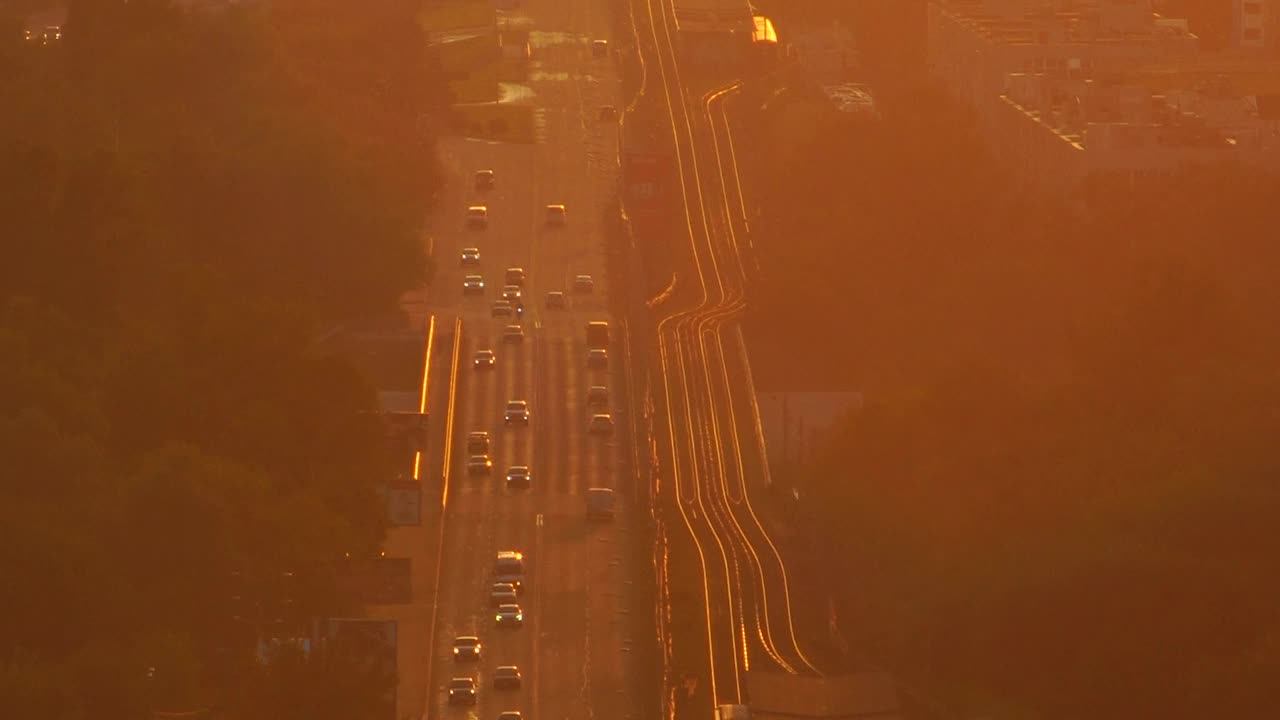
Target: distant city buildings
[{"x": 1102, "y": 91}]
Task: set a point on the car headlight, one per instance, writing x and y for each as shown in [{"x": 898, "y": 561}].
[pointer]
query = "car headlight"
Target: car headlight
[
  {"x": 498, "y": 618},
  {"x": 455, "y": 651}
]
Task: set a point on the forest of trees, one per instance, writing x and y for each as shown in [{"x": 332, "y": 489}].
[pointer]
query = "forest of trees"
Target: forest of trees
[
  {"x": 187, "y": 201},
  {"x": 1059, "y": 499}
]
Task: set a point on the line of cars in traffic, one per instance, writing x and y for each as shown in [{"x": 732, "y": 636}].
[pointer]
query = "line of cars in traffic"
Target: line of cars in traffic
[
  {"x": 508, "y": 583},
  {"x": 509, "y": 565}
]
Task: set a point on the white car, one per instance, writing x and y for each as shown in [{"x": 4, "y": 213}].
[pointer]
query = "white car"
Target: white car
[
  {"x": 462, "y": 691},
  {"x": 598, "y": 396},
  {"x": 470, "y": 256},
  {"x": 600, "y": 424},
  {"x": 466, "y": 647},
  {"x": 502, "y": 593},
  {"x": 518, "y": 476},
  {"x": 507, "y": 677},
  {"x": 484, "y": 360},
  {"x": 478, "y": 442},
  {"x": 501, "y": 308},
  {"x": 511, "y": 293},
  {"x": 473, "y": 285},
  {"x": 509, "y": 615},
  {"x": 517, "y": 412}
]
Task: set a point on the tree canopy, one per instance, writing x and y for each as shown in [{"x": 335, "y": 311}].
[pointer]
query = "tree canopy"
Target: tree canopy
[
  {"x": 189, "y": 198},
  {"x": 1057, "y": 500}
]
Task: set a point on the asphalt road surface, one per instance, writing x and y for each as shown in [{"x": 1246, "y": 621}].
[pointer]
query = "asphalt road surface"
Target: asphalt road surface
[{"x": 574, "y": 646}]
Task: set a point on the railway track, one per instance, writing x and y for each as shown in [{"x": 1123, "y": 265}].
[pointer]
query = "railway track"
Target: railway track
[{"x": 711, "y": 418}]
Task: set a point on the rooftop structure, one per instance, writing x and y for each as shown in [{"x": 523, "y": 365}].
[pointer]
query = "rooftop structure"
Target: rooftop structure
[
  {"x": 973, "y": 44},
  {"x": 1058, "y": 131}
]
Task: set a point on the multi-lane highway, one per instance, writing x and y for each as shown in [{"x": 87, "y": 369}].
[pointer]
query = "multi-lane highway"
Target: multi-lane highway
[{"x": 574, "y": 648}]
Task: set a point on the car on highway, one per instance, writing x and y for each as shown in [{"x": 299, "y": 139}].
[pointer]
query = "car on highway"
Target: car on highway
[
  {"x": 511, "y": 293},
  {"x": 50, "y": 34},
  {"x": 466, "y": 647},
  {"x": 478, "y": 442},
  {"x": 501, "y": 308},
  {"x": 555, "y": 215},
  {"x": 608, "y": 113},
  {"x": 479, "y": 465},
  {"x": 478, "y": 217},
  {"x": 600, "y": 424},
  {"x": 484, "y": 179},
  {"x": 555, "y": 300},
  {"x": 473, "y": 285},
  {"x": 517, "y": 412},
  {"x": 502, "y": 593},
  {"x": 514, "y": 276},
  {"x": 598, "y": 396},
  {"x": 599, "y": 503},
  {"x": 509, "y": 615},
  {"x": 470, "y": 256},
  {"x": 512, "y": 334},
  {"x": 583, "y": 284},
  {"x": 508, "y": 567},
  {"x": 509, "y": 715},
  {"x": 462, "y": 691},
  {"x": 598, "y": 359},
  {"x": 518, "y": 477},
  {"x": 484, "y": 360},
  {"x": 507, "y": 677},
  {"x": 599, "y": 49}
]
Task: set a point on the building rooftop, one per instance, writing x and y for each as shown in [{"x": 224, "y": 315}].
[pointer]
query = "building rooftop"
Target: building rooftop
[
  {"x": 1061, "y": 21},
  {"x": 1077, "y": 108}
]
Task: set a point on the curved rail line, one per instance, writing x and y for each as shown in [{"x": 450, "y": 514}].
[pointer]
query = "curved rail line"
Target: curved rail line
[{"x": 748, "y": 594}]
